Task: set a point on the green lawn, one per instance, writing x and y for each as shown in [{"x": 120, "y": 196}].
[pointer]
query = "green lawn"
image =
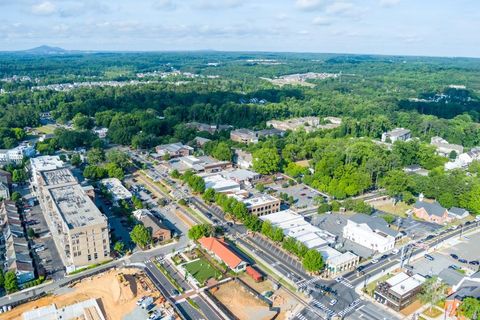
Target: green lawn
[{"x": 202, "y": 270}]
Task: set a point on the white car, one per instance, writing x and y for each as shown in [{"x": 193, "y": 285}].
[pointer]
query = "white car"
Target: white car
[
  {"x": 40, "y": 249},
  {"x": 333, "y": 302},
  {"x": 374, "y": 261},
  {"x": 339, "y": 279},
  {"x": 395, "y": 251},
  {"x": 139, "y": 302}
]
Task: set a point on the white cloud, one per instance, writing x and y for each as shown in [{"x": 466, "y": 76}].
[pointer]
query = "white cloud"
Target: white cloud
[
  {"x": 44, "y": 8},
  {"x": 218, "y": 4},
  {"x": 309, "y": 4},
  {"x": 165, "y": 5},
  {"x": 389, "y": 3},
  {"x": 340, "y": 8},
  {"x": 322, "y": 21}
]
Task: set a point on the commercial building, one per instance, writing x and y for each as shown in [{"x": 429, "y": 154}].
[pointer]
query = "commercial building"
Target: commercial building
[
  {"x": 242, "y": 159},
  {"x": 295, "y": 226},
  {"x": 218, "y": 183},
  {"x": 87, "y": 310},
  {"x": 242, "y": 176},
  {"x": 370, "y": 232},
  {"x": 244, "y": 136},
  {"x": 116, "y": 189},
  {"x": 431, "y": 212},
  {"x": 173, "y": 150},
  {"x": 223, "y": 253},
  {"x": 43, "y": 163},
  {"x": 444, "y": 148},
  {"x": 262, "y": 205},
  {"x": 399, "y": 291},
  {"x": 198, "y": 164},
  {"x": 14, "y": 251},
  {"x": 397, "y": 134},
  {"x": 79, "y": 229},
  {"x": 159, "y": 231},
  {"x": 210, "y": 128}
]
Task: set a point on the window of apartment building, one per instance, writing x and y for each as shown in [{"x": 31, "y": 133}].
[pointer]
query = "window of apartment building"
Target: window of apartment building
[
  {"x": 95, "y": 256},
  {"x": 89, "y": 257}
]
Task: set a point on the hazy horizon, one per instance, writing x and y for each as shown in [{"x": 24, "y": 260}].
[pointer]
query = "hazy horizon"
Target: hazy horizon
[{"x": 380, "y": 27}]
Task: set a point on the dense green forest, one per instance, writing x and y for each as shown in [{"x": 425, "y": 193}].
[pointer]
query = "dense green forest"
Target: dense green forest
[{"x": 372, "y": 94}]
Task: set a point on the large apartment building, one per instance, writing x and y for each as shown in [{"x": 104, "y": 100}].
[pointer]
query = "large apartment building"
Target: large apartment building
[{"x": 79, "y": 229}]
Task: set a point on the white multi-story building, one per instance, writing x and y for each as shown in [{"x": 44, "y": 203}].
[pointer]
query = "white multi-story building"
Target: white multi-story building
[
  {"x": 78, "y": 228},
  {"x": 370, "y": 232},
  {"x": 116, "y": 188},
  {"x": 464, "y": 159},
  {"x": 16, "y": 154}
]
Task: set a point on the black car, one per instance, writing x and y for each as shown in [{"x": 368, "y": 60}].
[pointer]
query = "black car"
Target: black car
[
  {"x": 360, "y": 268},
  {"x": 209, "y": 216},
  {"x": 454, "y": 256},
  {"x": 474, "y": 262},
  {"x": 430, "y": 237},
  {"x": 385, "y": 256}
]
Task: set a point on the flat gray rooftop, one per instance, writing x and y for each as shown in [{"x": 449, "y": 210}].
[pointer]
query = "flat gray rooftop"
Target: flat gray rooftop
[
  {"x": 75, "y": 206},
  {"x": 58, "y": 177}
]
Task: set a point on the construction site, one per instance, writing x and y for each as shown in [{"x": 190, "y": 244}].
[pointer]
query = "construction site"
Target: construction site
[{"x": 116, "y": 293}]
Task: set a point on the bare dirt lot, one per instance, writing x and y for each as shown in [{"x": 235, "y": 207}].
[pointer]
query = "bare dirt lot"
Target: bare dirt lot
[
  {"x": 115, "y": 294},
  {"x": 241, "y": 303}
]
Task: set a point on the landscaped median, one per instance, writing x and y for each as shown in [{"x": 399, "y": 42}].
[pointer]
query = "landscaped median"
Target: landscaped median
[{"x": 168, "y": 276}]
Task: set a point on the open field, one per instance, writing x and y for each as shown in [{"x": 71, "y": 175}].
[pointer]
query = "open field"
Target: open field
[
  {"x": 115, "y": 298},
  {"x": 399, "y": 209},
  {"x": 202, "y": 270},
  {"x": 241, "y": 303}
]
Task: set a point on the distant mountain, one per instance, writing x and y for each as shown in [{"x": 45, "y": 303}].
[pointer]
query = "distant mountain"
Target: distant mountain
[{"x": 46, "y": 50}]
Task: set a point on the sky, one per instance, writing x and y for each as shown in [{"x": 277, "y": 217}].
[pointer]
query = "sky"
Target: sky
[{"x": 402, "y": 27}]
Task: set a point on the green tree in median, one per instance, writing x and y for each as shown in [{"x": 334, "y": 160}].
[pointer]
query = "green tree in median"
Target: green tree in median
[
  {"x": 313, "y": 261},
  {"x": 119, "y": 247},
  {"x": 141, "y": 236},
  {"x": 209, "y": 195}
]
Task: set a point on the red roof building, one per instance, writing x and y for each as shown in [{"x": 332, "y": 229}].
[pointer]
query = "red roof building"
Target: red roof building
[
  {"x": 252, "y": 272},
  {"x": 222, "y": 252}
]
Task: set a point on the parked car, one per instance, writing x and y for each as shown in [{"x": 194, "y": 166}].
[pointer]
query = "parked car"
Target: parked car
[
  {"x": 139, "y": 301},
  {"x": 40, "y": 249},
  {"x": 360, "y": 268},
  {"x": 462, "y": 261},
  {"x": 429, "y": 257},
  {"x": 474, "y": 262},
  {"x": 454, "y": 267},
  {"x": 454, "y": 256},
  {"x": 373, "y": 261},
  {"x": 395, "y": 251}
]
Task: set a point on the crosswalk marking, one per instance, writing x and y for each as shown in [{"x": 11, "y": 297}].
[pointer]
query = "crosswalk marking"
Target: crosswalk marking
[
  {"x": 346, "y": 283},
  {"x": 321, "y": 306},
  {"x": 350, "y": 308},
  {"x": 300, "y": 316},
  {"x": 304, "y": 283}
]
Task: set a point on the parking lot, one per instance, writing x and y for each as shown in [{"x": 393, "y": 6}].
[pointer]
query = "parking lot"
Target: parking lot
[
  {"x": 465, "y": 248},
  {"x": 303, "y": 195},
  {"x": 45, "y": 253}
]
